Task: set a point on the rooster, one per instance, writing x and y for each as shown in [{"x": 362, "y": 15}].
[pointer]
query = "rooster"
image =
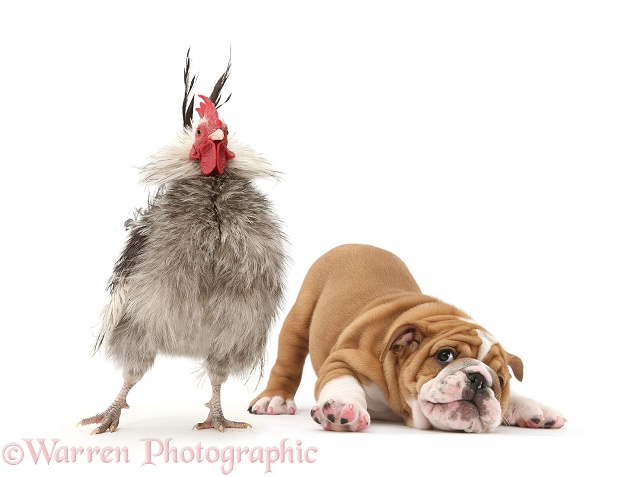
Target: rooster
[{"x": 202, "y": 271}]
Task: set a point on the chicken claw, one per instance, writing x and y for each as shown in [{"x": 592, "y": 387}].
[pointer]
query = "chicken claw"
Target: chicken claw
[
  {"x": 216, "y": 419},
  {"x": 220, "y": 423},
  {"x": 109, "y": 419}
]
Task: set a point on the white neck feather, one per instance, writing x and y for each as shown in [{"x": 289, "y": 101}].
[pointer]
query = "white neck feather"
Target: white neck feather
[{"x": 172, "y": 162}]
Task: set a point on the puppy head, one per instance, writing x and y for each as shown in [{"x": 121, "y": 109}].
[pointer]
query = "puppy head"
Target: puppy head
[{"x": 452, "y": 373}]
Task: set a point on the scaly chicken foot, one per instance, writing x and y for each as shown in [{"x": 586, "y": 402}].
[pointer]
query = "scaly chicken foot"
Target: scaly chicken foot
[
  {"x": 216, "y": 419},
  {"x": 220, "y": 423},
  {"x": 110, "y": 418}
]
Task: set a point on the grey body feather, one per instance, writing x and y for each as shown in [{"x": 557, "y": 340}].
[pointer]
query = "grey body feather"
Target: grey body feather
[{"x": 202, "y": 272}]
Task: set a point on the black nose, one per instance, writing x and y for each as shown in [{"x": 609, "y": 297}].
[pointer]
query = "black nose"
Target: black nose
[{"x": 477, "y": 381}]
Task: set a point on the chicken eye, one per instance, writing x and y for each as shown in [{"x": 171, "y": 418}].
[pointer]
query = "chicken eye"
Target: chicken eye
[
  {"x": 445, "y": 356},
  {"x": 198, "y": 132}
]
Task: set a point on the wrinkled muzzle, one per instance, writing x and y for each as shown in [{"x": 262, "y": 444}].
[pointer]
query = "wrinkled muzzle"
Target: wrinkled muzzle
[{"x": 461, "y": 398}]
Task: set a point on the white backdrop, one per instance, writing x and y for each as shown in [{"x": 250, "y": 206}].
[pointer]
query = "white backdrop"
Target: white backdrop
[{"x": 495, "y": 146}]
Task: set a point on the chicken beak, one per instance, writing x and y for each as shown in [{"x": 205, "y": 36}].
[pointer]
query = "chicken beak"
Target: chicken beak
[{"x": 218, "y": 135}]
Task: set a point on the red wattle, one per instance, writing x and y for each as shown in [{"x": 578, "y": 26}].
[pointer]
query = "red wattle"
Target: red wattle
[
  {"x": 213, "y": 156},
  {"x": 221, "y": 157},
  {"x": 194, "y": 154},
  {"x": 209, "y": 161}
]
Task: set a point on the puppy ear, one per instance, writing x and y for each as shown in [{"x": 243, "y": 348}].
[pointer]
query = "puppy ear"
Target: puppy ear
[
  {"x": 517, "y": 366},
  {"x": 400, "y": 340}
]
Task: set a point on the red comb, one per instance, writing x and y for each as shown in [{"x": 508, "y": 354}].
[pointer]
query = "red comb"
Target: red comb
[{"x": 207, "y": 109}]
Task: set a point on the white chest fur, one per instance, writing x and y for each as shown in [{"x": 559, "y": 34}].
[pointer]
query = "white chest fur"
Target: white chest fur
[{"x": 377, "y": 404}]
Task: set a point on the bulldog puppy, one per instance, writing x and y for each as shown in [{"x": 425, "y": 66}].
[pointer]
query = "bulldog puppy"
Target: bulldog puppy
[{"x": 382, "y": 349}]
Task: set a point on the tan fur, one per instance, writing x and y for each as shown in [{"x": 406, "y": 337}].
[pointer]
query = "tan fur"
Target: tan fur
[{"x": 361, "y": 313}]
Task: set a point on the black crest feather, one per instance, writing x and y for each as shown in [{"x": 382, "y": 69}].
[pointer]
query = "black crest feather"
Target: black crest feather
[
  {"x": 189, "y": 83},
  {"x": 215, "y": 96},
  {"x": 189, "y": 97}
]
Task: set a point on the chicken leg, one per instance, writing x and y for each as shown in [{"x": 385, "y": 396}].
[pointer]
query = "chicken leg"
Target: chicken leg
[
  {"x": 216, "y": 419},
  {"x": 109, "y": 419}
]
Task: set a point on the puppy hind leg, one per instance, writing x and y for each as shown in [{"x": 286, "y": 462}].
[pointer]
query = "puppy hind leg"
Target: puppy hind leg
[{"x": 286, "y": 374}]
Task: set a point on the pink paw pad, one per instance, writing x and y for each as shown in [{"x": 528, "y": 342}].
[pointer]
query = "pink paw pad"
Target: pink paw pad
[{"x": 338, "y": 416}]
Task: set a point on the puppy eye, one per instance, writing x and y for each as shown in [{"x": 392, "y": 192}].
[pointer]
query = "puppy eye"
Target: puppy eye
[
  {"x": 445, "y": 356},
  {"x": 501, "y": 382}
]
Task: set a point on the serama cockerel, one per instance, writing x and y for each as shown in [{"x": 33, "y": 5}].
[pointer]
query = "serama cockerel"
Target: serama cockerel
[{"x": 202, "y": 272}]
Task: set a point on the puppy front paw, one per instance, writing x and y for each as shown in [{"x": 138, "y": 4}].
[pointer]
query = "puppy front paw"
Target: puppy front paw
[
  {"x": 525, "y": 412},
  {"x": 273, "y": 405},
  {"x": 341, "y": 415}
]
